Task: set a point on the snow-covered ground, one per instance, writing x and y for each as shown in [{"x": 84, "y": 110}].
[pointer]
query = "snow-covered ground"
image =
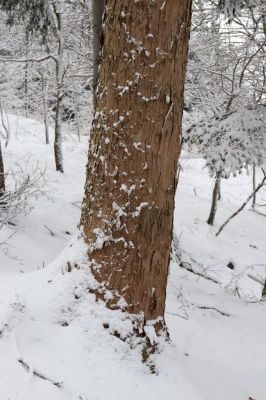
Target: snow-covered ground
[{"x": 50, "y": 323}]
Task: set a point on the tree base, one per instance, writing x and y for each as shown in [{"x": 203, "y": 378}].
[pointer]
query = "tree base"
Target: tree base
[{"x": 128, "y": 327}]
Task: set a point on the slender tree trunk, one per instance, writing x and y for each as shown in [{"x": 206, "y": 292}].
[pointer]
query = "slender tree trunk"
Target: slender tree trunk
[
  {"x": 59, "y": 95},
  {"x": 26, "y": 77},
  {"x": 254, "y": 185},
  {"x": 2, "y": 175},
  {"x": 45, "y": 114},
  {"x": 219, "y": 191},
  {"x": 127, "y": 212},
  {"x": 215, "y": 197},
  {"x": 97, "y": 11}
]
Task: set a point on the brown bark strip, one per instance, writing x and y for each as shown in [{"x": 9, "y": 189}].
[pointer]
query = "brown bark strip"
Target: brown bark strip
[{"x": 127, "y": 212}]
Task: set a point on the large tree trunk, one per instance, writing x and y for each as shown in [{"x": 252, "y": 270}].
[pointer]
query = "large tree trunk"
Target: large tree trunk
[
  {"x": 127, "y": 212},
  {"x": 97, "y": 12}
]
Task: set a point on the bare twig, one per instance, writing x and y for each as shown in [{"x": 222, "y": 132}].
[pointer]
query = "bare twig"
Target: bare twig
[
  {"x": 26, "y": 184},
  {"x": 177, "y": 315},
  {"x": 258, "y": 212}
]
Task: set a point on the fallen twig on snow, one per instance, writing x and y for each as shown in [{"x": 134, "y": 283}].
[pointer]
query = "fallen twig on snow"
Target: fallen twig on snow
[
  {"x": 225, "y": 314},
  {"x": 39, "y": 374},
  {"x": 189, "y": 268},
  {"x": 49, "y": 230},
  {"x": 177, "y": 315},
  {"x": 260, "y": 185}
]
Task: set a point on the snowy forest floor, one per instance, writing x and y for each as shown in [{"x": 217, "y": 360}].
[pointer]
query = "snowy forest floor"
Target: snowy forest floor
[{"x": 49, "y": 323}]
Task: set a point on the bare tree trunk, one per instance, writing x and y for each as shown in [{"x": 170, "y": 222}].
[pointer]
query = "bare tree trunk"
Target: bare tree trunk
[
  {"x": 59, "y": 93},
  {"x": 45, "y": 114},
  {"x": 215, "y": 197},
  {"x": 127, "y": 212},
  {"x": 26, "y": 77},
  {"x": 97, "y": 11},
  {"x": 254, "y": 185},
  {"x": 2, "y": 174},
  {"x": 260, "y": 185}
]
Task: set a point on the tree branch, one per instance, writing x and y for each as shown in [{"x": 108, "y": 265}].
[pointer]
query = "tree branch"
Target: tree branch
[{"x": 261, "y": 184}]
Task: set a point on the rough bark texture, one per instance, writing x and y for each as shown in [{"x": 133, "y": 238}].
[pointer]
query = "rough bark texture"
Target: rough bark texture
[
  {"x": 97, "y": 11},
  {"x": 215, "y": 197},
  {"x": 127, "y": 212}
]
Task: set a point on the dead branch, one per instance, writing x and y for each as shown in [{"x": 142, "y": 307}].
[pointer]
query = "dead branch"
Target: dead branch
[
  {"x": 25, "y": 60},
  {"x": 261, "y": 184}
]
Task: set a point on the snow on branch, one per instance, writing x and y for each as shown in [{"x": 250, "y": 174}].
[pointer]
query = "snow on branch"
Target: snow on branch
[{"x": 230, "y": 142}]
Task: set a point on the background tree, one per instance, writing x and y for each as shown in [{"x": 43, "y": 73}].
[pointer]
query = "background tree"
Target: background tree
[
  {"x": 56, "y": 69},
  {"x": 226, "y": 92}
]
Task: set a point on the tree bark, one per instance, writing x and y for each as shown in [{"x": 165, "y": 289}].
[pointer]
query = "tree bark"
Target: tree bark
[
  {"x": 215, "y": 197},
  {"x": 127, "y": 212},
  {"x": 97, "y": 12}
]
